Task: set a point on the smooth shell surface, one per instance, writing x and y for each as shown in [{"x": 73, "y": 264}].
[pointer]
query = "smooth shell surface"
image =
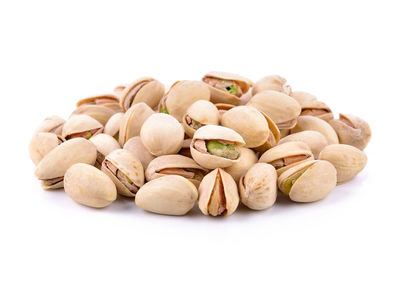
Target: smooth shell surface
[
  {"x": 113, "y": 124},
  {"x": 272, "y": 83},
  {"x": 203, "y": 112},
  {"x": 100, "y": 113},
  {"x": 53, "y": 124},
  {"x": 314, "y": 139},
  {"x": 308, "y": 122},
  {"x": 105, "y": 144},
  {"x": 80, "y": 123},
  {"x": 136, "y": 147},
  {"x": 41, "y": 144},
  {"x": 246, "y": 160}
]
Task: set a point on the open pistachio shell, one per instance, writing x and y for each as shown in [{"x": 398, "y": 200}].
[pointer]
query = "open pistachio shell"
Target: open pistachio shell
[
  {"x": 273, "y": 136},
  {"x": 314, "y": 139},
  {"x": 132, "y": 121},
  {"x": 308, "y": 122},
  {"x": 246, "y": 160},
  {"x": 105, "y": 144},
  {"x": 52, "y": 124},
  {"x": 181, "y": 96},
  {"x": 287, "y": 155},
  {"x": 175, "y": 165},
  {"x": 352, "y": 130},
  {"x": 226, "y": 87},
  {"x": 168, "y": 195},
  {"x": 113, "y": 124},
  {"x": 41, "y": 144},
  {"x": 318, "y": 109},
  {"x": 258, "y": 188},
  {"x": 200, "y": 113},
  {"x": 185, "y": 150},
  {"x": 348, "y": 160},
  {"x": 146, "y": 90},
  {"x": 52, "y": 167},
  {"x": 281, "y": 108},
  {"x": 218, "y": 194},
  {"x": 81, "y": 125},
  {"x": 303, "y": 97},
  {"x": 309, "y": 181},
  {"x": 272, "y": 83},
  {"x": 107, "y": 100},
  {"x": 125, "y": 170},
  {"x": 99, "y": 112},
  {"x": 216, "y": 146},
  {"x": 89, "y": 186},
  {"x": 222, "y": 108},
  {"x": 136, "y": 147}
]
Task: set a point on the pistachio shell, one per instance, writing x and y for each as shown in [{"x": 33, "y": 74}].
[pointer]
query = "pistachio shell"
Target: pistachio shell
[
  {"x": 218, "y": 194},
  {"x": 119, "y": 89},
  {"x": 133, "y": 120},
  {"x": 314, "y": 139},
  {"x": 348, "y": 160},
  {"x": 53, "y": 124},
  {"x": 136, "y": 147},
  {"x": 169, "y": 195},
  {"x": 222, "y": 108},
  {"x": 113, "y": 124},
  {"x": 146, "y": 90},
  {"x": 81, "y": 124},
  {"x": 352, "y": 130},
  {"x": 308, "y": 122},
  {"x": 284, "y": 132},
  {"x": 185, "y": 150},
  {"x": 273, "y": 136},
  {"x": 57, "y": 161},
  {"x": 272, "y": 83},
  {"x": 257, "y": 187},
  {"x": 313, "y": 180},
  {"x": 41, "y": 144},
  {"x": 99, "y": 112},
  {"x": 200, "y": 113},
  {"x": 303, "y": 97},
  {"x": 89, "y": 186},
  {"x": 162, "y": 134},
  {"x": 105, "y": 144},
  {"x": 318, "y": 109},
  {"x": 246, "y": 160},
  {"x": 110, "y": 101}
]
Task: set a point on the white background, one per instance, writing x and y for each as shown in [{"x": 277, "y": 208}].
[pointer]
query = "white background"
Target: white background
[{"x": 54, "y": 53}]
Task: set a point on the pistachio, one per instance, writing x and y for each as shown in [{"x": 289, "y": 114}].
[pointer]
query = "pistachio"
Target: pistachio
[
  {"x": 100, "y": 113},
  {"x": 52, "y": 124},
  {"x": 311, "y": 106},
  {"x": 314, "y": 139},
  {"x": 302, "y": 97},
  {"x": 185, "y": 150},
  {"x": 119, "y": 89},
  {"x": 136, "y": 147},
  {"x": 89, "y": 186},
  {"x": 81, "y": 125},
  {"x": 200, "y": 113},
  {"x": 105, "y": 144},
  {"x": 169, "y": 195},
  {"x": 257, "y": 187},
  {"x": 348, "y": 160},
  {"x": 246, "y": 159},
  {"x": 107, "y": 100},
  {"x": 308, "y": 122},
  {"x": 41, "y": 144},
  {"x": 272, "y": 83},
  {"x": 222, "y": 108},
  {"x": 113, "y": 124}
]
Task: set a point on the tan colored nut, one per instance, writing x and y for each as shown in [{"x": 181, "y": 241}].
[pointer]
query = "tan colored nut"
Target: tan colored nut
[
  {"x": 287, "y": 155},
  {"x": 119, "y": 89},
  {"x": 246, "y": 160},
  {"x": 303, "y": 97},
  {"x": 81, "y": 125},
  {"x": 181, "y": 96},
  {"x": 107, "y": 100},
  {"x": 41, "y": 144},
  {"x": 348, "y": 160},
  {"x": 218, "y": 194},
  {"x": 273, "y": 136},
  {"x": 226, "y": 87},
  {"x": 257, "y": 187},
  {"x": 175, "y": 165},
  {"x": 100, "y": 113},
  {"x": 89, "y": 186},
  {"x": 222, "y": 108},
  {"x": 133, "y": 121},
  {"x": 284, "y": 132},
  {"x": 146, "y": 90},
  {"x": 113, "y": 124},
  {"x": 200, "y": 113},
  {"x": 272, "y": 83},
  {"x": 52, "y": 167},
  {"x": 185, "y": 150},
  {"x": 168, "y": 195},
  {"x": 314, "y": 139},
  {"x": 216, "y": 146},
  {"x": 281, "y": 108},
  {"x": 308, "y": 122},
  {"x": 136, "y": 147},
  {"x": 52, "y": 124},
  {"x": 317, "y": 109},
  {"x": 309, "y": 181},
  {"x": 105, "y": 144},
  {"x": 125, "y": 170},
  {"x": 352, "y": 130}
]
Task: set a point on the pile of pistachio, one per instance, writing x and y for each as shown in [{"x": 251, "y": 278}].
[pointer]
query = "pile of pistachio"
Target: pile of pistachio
[{"x": 215, "y": 142}]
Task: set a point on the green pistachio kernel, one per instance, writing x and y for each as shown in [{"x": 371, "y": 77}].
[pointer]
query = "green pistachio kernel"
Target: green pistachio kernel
[
  {"x": 288, "y": 183},
  {"x": 232, "y": 89},
  {"x": 228, "y": 151},
  {"x": 164, "y": 110}
]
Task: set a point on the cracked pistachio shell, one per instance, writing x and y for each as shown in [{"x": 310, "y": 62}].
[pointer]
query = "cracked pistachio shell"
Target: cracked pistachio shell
[
  {"x": 107, "y": 100},
  {"x": 146, "y": 90},
  {"x": 215, "y": 132},
  {"x": 80, "y": 123},
  {"x": 287, "y": 155},
  {"x": 315, "y": 140},
  {"x": 310, "y": 181},
  {"x": 125, "y": 162},
  {"x": 57, "y": 161},
  {"x": 273, "y": 136},
  {"x": 119, "y": 89},
  {"x": 218, "y": 194},
  {"x": 222, "y": 108},
  {"x": 258, "y": 188},
  {"x": 317, "y": 109},
  {"x": 113, "y": 124},
  {"x": 308, "y": 122},
  {"x": 246, "y": 160},
  {"x": 349, "y": 161},
  {"x": 272, "y": 83},
  {"x": 352, "y": 130},
  {"x": 249, "y": 123},
  {"x": 182, "y": 95},
  {"x": 133, "y": 121},
  {"x": 203, "y": 112},
  {"x": 185, "y": 150},
  {"x": 223, "y": 96},
  {"x": 99, "y": 112},
  {"x": 162, "y": 134},
  {"x": 105, "y": 144},
  {"x": 168, "y": 195},
  {"x": 41, "y": 144},
  {"x": 303, "y": 97},
  {"x": 281, "y": 108},
  {"x": 52, "y": 124},
  {"x": 89, "y": 186},
  {"x": 284, "y": 132},
  {"x": 175, "y": 165},
  {"x": 136, "y": 147}
]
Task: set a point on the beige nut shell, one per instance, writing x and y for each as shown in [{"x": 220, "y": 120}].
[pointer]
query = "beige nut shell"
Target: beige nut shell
[
  {"x": 272, "y": 83},
  {"x": 99, "y": 112},
  {"x": 246, "y": 160},
  {"x": 136, "y": 147},
  {"x": 314, "y": 139},
  {"x": 105, "y": 144},
  {"x": 80, "y": 123},
  {"x": 308, "y": 122},
  {"x": 53, "y": 124},
  {"x": 201, "y": 111},
  {"x": 41, "y": 144},
  {"x": 113, "y": 124}
]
